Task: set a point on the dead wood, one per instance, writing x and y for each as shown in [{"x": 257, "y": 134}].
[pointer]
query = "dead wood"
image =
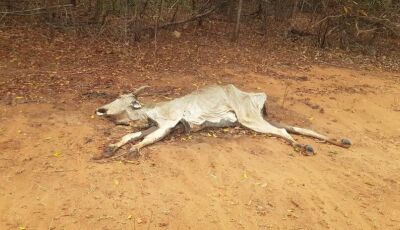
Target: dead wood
[{"x": 35, "y": 10}]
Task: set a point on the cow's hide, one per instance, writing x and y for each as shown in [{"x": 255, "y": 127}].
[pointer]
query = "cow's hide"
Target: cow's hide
[{"x": 216, "y": 104}]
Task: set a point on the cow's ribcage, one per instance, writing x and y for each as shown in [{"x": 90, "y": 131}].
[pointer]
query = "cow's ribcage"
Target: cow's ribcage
[{"x": 218, "y": 120}]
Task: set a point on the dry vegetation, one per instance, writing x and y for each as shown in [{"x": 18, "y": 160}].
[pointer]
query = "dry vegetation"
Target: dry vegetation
[{"x": 61, "y": 60}]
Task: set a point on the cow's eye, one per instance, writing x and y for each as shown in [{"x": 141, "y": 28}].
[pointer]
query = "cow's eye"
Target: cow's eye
[{"x": 136, "y": 105}]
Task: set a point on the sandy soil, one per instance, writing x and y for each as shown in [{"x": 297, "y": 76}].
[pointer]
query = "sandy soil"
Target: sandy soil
[{"x": 237, "y": 180}]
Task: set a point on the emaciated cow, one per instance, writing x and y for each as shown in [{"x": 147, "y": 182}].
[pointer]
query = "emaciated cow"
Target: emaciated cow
[{"x": 213, "y": 106}]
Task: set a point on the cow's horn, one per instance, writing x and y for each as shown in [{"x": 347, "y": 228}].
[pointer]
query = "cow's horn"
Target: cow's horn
[{"x": 140, "y": 89}]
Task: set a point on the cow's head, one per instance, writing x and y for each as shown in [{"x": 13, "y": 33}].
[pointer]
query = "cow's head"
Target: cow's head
[{"x": 125, "y": 106}]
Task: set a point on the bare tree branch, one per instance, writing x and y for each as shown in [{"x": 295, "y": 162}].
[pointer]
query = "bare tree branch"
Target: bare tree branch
[
  {"x": 35, "y": 10},
  {"x": 202, "y": 15}
]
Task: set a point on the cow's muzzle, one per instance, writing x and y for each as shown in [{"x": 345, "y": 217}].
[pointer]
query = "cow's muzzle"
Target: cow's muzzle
[{"x": 101, "y": 112}]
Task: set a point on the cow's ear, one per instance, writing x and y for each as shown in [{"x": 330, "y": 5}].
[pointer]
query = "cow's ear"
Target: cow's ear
[
  {"x": 136, "y": 105},
  {"x": 139, "y": 90}
]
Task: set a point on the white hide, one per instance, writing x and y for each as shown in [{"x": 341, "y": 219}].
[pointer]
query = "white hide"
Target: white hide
[{"x": 213, "y": 104}]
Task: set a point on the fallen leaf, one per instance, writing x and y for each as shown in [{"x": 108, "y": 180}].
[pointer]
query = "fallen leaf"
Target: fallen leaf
[
  {"x": 214, "y": 176},
  {"x": 57, "y": 154},
  {"x": 177, "y": 34},
  {"x": 264, "y": 185}
]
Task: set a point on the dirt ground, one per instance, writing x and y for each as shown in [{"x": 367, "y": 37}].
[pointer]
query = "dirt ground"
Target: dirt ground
[{"x": 214, "y": 179}]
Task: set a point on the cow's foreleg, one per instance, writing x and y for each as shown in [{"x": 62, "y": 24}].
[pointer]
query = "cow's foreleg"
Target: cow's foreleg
[
  {"x": 112, "y": 148},
  {"x": 153, "y": 137}
]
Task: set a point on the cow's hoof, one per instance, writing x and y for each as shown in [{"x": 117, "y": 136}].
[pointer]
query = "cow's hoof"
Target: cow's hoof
[
  {"x": 133, "y": 154},
  {"x": 345, "y": 142},
  {"x": 309, "y": 150},
  {"x": 109, "y": 151},
  {"x": 97, "y": 157}
]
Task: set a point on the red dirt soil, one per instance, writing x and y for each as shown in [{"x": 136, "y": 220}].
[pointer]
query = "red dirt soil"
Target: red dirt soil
[{"x": 236, "y": 180}]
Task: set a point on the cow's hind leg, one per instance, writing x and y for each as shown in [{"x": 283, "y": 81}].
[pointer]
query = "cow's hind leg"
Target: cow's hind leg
[
  {"x": 345, "y": 143},
  {"x": 262, "y": 126}
]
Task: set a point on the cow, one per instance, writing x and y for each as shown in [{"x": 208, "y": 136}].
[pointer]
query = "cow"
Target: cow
[{"x": 215, "y": 106}]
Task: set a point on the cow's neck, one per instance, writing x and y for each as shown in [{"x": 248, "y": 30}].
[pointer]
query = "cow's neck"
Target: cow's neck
[{"x": 140, "y": 114}]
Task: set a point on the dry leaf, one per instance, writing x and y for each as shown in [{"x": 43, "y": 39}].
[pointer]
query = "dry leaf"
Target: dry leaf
[
  {"x": 177, "y": 34},
  {"x": 264, "y": 185}
]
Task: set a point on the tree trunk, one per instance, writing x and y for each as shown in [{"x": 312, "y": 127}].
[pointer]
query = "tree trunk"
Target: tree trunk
[
  {"x": 387, "y": 3},
  {"x": 265, "y": 17},
  {"x": 50, "y": 11},
  {"x": 99, "y": 11},
  {"x": 237, "y": 27}
]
